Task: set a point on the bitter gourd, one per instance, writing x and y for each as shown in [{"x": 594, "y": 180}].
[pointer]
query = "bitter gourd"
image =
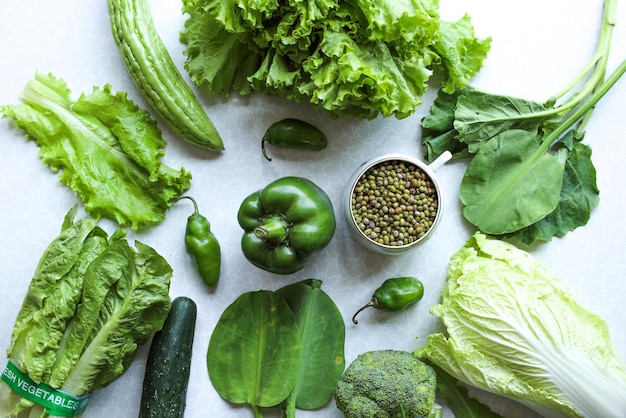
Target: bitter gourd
[{"x": 156, "y": 76}]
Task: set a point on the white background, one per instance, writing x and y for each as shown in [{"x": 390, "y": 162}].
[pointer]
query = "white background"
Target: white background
[{"x": 538, "y": 47}]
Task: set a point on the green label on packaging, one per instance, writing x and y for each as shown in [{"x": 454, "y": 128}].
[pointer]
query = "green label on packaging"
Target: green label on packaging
[{"x": 54, "y": 401}]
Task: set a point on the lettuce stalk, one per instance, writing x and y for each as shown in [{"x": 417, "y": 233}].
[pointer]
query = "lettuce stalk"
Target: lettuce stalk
[
  {"x": 513, "y": 329},
  {"x": 92, "y": 301}
]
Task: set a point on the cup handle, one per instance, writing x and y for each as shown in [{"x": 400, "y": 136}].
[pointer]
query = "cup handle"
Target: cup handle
[{"x": 441, "y": 160}]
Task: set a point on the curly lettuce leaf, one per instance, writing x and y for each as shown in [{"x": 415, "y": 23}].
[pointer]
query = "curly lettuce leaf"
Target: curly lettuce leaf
[
  {"x": 107, "y": 149},
  {"x": 361, "y": 58}
]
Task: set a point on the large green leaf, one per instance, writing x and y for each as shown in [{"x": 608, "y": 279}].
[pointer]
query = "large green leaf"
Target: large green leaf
[
  {"x": 497, "y": 114},
  {"x": 104, "y": 147},
  {"x": 579, "y": 196},
  {"x": 254, "y": 350},
  {"x": 322, "y": 332},
  {"x": 511, "y": 183}
]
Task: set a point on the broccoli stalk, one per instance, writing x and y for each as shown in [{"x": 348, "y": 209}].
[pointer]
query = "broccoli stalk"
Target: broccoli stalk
[{"x": 387, "y": 384}]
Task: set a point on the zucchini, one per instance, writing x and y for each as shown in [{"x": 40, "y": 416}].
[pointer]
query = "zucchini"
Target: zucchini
[
  {"x": 157, "y": 77},
  {"x": 169, "y": 360}
]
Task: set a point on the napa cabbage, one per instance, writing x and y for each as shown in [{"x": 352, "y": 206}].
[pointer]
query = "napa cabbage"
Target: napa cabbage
[{"x": 514, "y": 329}]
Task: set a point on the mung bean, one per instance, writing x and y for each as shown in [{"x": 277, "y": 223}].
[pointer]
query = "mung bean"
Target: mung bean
[{"x": 394, "y": 203}]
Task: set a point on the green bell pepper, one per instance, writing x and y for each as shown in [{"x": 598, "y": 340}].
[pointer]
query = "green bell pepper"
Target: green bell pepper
[{"x": 285, "y": 224}]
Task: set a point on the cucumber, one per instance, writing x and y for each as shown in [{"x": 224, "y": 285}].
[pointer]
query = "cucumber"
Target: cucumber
[
  {"x": 157, "y": 77},
  {"x": 169, "y": 360}
]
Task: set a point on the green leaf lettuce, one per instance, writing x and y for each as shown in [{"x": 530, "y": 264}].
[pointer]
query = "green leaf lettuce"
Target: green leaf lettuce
[
  {"x": 355, "y": 58},
  {"x": 107, "y": 149}
]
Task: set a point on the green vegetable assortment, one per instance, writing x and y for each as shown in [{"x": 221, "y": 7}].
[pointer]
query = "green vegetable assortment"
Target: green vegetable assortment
[
  {"x": 202, "y": 245},
  {"x": 511, "y": 327},
  {"x": 294, "y": 133},
  {"x": 285, "y": 224},
  {"x": 394, "y": 295}
]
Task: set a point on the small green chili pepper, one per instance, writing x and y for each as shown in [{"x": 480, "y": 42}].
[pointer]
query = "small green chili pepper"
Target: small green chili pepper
[
  {"x": 294, "y": 133},
  {"x": 202, "y": 246},
  {"x": 394, "y": 295}
]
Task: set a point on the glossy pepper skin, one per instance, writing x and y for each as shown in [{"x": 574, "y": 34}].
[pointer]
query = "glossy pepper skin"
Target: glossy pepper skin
[
  {"x": 294, "y": 133},
  {"x": 203, "y": 247},
  {"x": 394, "y": 295},
  {"x": 285, "y": 224}
]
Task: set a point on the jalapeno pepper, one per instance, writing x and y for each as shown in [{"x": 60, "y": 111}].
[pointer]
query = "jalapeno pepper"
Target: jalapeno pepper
[
  {"x": 285, "y": 224},
  {"x": 394, "y": 295},
  {"x": 203, "y": 246},
  {"x": 294, "y": 133}
]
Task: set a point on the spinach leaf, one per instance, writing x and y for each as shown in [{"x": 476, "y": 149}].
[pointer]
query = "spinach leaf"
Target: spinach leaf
[
  {"x": 579, "y": 196},
  {"x": 322, "y": 332},
  {"x": 254, "y": 351},
  {"x": 511, "y": 168}
]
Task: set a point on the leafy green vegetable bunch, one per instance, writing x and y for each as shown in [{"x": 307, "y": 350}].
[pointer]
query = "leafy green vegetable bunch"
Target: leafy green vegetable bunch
[
  {"x": 356, "y": 58},
  {"x": 530, "y": 176},
  {"x": 92, "y": 300},
  {"x": 278, "y": 349},
  {"x": 106, "y": 148},
  {"x": 512, "y": 328}
]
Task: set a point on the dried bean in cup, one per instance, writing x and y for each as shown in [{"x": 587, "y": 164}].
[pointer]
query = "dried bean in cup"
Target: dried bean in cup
[{"x": 394, "y": 203}]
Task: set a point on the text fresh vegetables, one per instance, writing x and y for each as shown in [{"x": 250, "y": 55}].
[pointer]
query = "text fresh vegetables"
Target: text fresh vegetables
[
  {"x": 107, "y": 148},
  {"x": 286, "y": 224},
  {"x": 516, "y": 145},
  {"x": 355, "y": 59},
  {"x": 91, "y": 301},
  {"x": 156, "y": 76},
  {"x": 513, "y": 329},
  {"x": 278, "y": 349}
]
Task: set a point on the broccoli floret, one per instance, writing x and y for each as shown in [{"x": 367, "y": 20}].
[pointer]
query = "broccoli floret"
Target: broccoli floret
[{"x": 387, "y": 384}]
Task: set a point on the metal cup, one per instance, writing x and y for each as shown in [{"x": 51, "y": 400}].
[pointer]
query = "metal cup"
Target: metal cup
[{"x": 359, "y": 235}]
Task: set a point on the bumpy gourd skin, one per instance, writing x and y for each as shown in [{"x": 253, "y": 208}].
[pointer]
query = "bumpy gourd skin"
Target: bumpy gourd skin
[
  {"x": 285, "y": 224},
  {"x": 156, "y": 76}
]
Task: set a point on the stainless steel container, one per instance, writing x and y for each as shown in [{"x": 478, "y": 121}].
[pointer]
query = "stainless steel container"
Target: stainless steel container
[{"x": 359, "y": 235}]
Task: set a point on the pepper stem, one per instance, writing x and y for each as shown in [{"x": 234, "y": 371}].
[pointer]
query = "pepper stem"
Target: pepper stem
[
  {"x": 367, "y": 305},
  {"x": 273, "y": 229}
]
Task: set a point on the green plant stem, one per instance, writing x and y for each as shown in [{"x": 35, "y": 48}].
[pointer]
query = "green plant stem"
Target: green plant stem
[
  {"x": 596, "y": 66},
  {"x": 599, "y": 58},
  {"x": 584, "y": 110}
]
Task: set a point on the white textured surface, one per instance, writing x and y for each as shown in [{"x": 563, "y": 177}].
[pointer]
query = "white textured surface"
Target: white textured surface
[{"x": 538, "y": 46}]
